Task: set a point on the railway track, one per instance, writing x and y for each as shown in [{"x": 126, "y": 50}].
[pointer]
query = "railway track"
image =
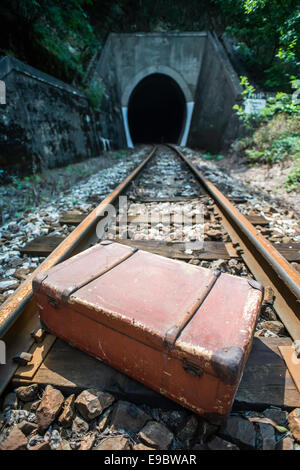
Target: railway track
[{"x": 165, "y": 183}]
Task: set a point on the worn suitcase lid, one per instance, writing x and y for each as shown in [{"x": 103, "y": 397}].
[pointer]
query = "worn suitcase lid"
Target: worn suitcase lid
[{"x": 191, "y": 312}]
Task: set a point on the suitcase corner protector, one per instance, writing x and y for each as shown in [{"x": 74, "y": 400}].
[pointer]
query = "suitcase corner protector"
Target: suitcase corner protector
[
  {"x": 105, "y": 242},
  {"x": 38, "y": 280},
  {"x": 67, "y": 292},
  {"x": 227, "y": 363},
  {"x": 256, "y": 285}
]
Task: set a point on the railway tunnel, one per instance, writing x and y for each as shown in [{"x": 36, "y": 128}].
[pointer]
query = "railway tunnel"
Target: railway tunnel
[
  {"x": 167, "y": 87},
  {"x": 156, "y": 110},
  {"x": 151, "y": 87}
]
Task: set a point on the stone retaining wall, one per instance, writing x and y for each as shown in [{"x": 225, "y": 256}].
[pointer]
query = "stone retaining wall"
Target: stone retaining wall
[{"x": 44, "y": 121}]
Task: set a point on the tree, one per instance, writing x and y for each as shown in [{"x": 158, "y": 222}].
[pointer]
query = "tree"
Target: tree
[{"x": 268, "y": 31}]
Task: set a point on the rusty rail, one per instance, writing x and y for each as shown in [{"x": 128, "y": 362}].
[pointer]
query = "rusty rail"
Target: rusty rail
[
  {"x": 20, "y": 309},
  {"x": 18, "y": 316},
  {"x": 266, "y": 262}
]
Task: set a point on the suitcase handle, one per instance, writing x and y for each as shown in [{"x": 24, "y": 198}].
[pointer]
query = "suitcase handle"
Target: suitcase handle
[{"x": 192, "y": 367}]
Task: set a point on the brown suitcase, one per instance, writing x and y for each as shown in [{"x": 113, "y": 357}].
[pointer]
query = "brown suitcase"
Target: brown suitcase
[{"x": 182, "y": 330}]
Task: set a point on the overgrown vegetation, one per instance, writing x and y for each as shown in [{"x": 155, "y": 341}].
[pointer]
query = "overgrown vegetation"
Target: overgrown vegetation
[
  {"x": 63, "y": 37},
  {"x": 94, "y": 93},
  {"x": 210, "y": 156},
  {"x": 64, "y": 30},
  {"x": 57, "y": 35},
  {"x": 274, "y": 132},
  {"x": 22, "y": 195},
  {"x": 268, "y": 32}
]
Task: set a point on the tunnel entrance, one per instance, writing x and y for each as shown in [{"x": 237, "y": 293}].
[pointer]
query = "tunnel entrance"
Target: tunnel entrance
[{"x": 156, "y": 110}]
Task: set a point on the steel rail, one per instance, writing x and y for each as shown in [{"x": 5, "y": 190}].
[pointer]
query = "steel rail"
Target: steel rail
[
  {"x": 18, "y": 315},
  {"x": 20, "y": 307},
  {"x": 280, "y": 273}
]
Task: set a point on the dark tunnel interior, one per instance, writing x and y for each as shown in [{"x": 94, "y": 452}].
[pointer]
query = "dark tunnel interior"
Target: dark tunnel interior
[{"x": 156, "y": 110}]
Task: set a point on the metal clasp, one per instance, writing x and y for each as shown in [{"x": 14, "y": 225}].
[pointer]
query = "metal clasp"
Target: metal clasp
[
  {"x": 53, "y": 302},
  {"x": 192, "y": 367}
]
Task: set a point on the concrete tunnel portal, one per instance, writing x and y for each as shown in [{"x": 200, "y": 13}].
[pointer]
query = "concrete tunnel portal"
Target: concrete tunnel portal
[
  {"x": 168, "y": 87},
  {"x": 156, "y": 110}
]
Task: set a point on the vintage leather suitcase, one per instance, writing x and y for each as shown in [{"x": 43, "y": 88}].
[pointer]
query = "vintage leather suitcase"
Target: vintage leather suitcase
[{"x": 182, "y": 330}]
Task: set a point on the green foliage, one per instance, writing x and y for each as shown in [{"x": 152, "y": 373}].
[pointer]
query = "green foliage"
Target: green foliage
[
  {"x": 283, "y": 103},
  {"x": 278, "y": 141},
  {"x": 95, "y": 93},
  {"x": 119, "y": 155},
  {"x": 293, "y": 180},
  {"x": 67, "y": 33},
  {"x": 288, "y": 104},
  {"x": 248, "y": 90},
  {"x": 275, "y": 135},
  {"x": 23, "y": 194},
  {"x": 78, "y": 171},
  {"x": 209, "y": 156},
  {"x": 277, "y": 150},
  {"x": 268, "y": 34},
  {"x": 17, "y": 182},
  {"x": 63, "y": 30},
  {"x": 150, "y": 16},
  {"x": 249, "y": 120}
]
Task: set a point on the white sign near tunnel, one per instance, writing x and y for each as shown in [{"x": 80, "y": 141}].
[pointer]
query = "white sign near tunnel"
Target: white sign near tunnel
[{"x": 254, "y": 105}]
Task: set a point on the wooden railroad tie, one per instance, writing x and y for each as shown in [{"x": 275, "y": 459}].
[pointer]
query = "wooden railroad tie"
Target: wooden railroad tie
[
  {"x": 266, "y": 380},
  {"x": 74, "y": 218},
  {"x": 42, "y": 246},
  {"x": 209, "y": 250}
]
